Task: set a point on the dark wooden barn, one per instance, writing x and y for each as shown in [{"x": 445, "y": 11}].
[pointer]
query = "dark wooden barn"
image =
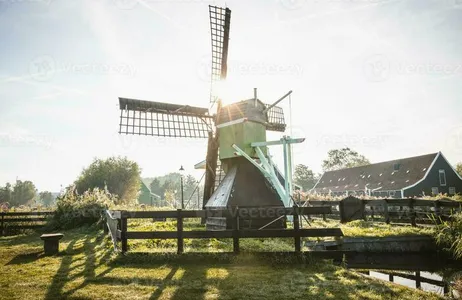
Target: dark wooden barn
[{"x": 417, "y": 176}]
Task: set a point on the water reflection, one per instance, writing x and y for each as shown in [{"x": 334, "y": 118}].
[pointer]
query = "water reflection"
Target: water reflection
[{"x": 427, "y": 271}]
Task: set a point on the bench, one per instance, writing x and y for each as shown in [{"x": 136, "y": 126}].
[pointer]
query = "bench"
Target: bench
[{"x": 51, "y": 242}]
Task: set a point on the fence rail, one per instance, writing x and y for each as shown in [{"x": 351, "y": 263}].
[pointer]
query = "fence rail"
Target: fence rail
[
  {"x": 123, "y": 235},
  {"x": 407, "y": 210},
  {"x": 14, "y": 221}
]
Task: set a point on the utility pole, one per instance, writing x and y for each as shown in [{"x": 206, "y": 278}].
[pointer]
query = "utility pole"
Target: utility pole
[{"x": 181, "y": 187}]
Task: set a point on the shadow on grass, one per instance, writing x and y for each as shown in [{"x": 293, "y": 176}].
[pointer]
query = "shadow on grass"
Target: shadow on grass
[
  {"x": 63, "y": 275},
  {"x": 25, "y": 258},
  {"x": 201, "y": 275}
]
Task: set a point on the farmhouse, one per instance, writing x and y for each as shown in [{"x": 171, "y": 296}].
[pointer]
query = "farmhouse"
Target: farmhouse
[
  {"x": 408, "y": 177},
  {"x": 145, "y": 195}
]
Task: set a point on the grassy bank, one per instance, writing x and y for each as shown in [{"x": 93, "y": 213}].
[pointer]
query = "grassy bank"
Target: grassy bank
[{"x": 87, "y": 269}]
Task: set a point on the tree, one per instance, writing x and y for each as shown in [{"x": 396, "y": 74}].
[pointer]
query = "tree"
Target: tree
[
  {"x": 23, "y": 192},
  {"x": 304, "y": 177},
  {"x": 6, "y": 193},
  {"x": 156, "y": 188},
  {"x": 119, "y": 175},
  {"x": 343, "y": 158},
  {"x": 189, "y": 184},
  {"x": 459, "y": 168},
  {"x": 46, "y": 198}
]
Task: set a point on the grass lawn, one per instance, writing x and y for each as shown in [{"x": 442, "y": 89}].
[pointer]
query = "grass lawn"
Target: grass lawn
[
  {"x": 358, "y": 228},
  {"x": 87, "y": 269},
  {"x": 374, "y": 229}
]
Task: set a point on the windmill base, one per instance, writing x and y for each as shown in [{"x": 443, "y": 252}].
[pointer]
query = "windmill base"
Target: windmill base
[{"x": 244, "y": 186}]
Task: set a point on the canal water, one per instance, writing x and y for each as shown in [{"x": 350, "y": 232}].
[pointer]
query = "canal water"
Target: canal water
[{"x": 431, "y": 272}]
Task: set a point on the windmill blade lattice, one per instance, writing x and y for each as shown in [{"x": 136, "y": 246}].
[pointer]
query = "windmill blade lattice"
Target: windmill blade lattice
[
  {"x": 276, "y": 120},
  {"x": 140, "y": 117},
  {"x": 220, "y": 19}
]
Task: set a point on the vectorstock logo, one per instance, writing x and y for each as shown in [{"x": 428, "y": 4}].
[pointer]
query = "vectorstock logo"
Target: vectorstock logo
[
  {"x": 379, "y": 68},
  {"x": 353, "y": 140},
  {"x": 44, "y": 68},
  {"x": 5, "y": 4},
  {"x": 240, "y": 68},
  {"x": 24, "y": 140}
]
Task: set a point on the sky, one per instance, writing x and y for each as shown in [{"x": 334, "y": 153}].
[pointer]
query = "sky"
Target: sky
[{"x": 382, "y": 77}]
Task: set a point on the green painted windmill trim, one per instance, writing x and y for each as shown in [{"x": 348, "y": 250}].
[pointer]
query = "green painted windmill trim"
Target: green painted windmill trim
[{"x": 266, "y": 165}]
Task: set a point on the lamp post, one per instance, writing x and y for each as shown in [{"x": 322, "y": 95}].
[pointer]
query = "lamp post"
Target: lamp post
[
  {"x": 181, "y": 186},
  {"x": 198, "y": 196}
]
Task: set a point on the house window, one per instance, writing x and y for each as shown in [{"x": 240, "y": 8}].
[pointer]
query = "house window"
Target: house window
[
  {"x": 435, "y": 191},
  {"x": 442, "y": 175},
  {"x": 391, "y": 193},
  {"x": 452, "y": 190},
  {"x": 395, "y": 167}
]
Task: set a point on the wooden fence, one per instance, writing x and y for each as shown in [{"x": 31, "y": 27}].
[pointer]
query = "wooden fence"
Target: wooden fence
[
  {"x": 122, "y": 234},
  {"x": 15, "y": 221},
  {"x": 407, "y": 210}
]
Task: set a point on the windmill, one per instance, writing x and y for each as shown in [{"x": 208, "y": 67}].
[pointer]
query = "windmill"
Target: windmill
[{"x": 236, "y": 136}]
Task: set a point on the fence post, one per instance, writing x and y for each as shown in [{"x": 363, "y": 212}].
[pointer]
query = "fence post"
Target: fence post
[
  {"x": 1, "y": 229},
  {"x": 296, "y": 230},
  {"x": 385, "y": 208},
  {"x": 417, "y": 280},
  {"x": 323, "y": 215},
  {"x": 390, "y": 277},
  {"x": 236, "y": 232},
  {"x": 438, "y": 211},
  {"x": 179, "y": 229},
  {"x": 363, "y": 210},
  {"x": 341, "y": 211},
  {"x": 412, "y": 212},
  {"x": 123, "y": 229},
  {"x": 372, "y": 213},
  {"x": 104, "y": 221}
]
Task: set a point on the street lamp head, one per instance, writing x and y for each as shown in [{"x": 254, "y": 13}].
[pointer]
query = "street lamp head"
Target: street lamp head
[{"x": 181, "y": 169}]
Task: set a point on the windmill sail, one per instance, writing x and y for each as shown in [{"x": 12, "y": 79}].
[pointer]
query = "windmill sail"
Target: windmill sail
[
  {"x": 220, "y": 19},
  {"x": 140, "y": 117}
]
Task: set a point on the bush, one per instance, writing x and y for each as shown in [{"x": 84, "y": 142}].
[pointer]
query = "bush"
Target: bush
[
  {"x": 448, "y": 235},
  {"x": 74, "y": 210}
]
